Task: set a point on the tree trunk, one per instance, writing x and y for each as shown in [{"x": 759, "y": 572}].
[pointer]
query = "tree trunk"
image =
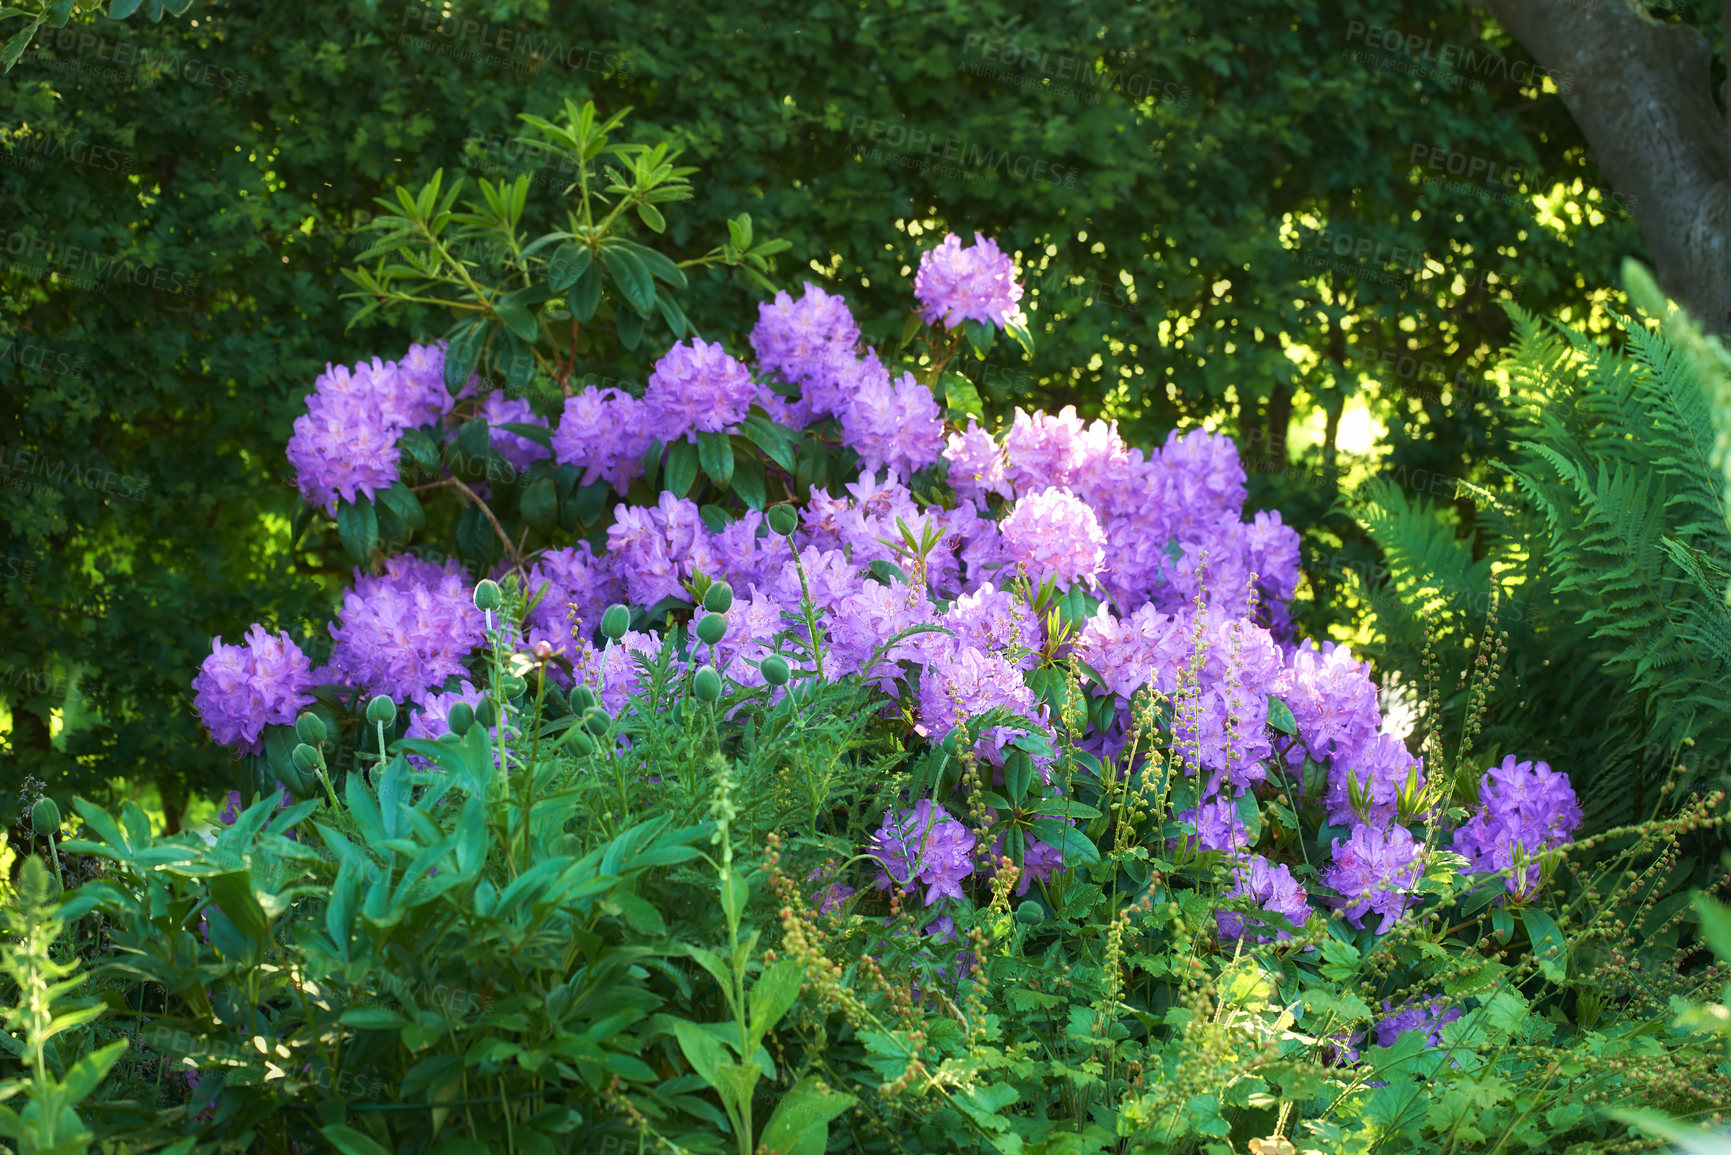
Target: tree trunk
[{"x": 1641, "y": 94}]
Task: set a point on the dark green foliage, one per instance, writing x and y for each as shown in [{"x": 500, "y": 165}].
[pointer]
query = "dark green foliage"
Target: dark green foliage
[{"x": 228, "y": 173}]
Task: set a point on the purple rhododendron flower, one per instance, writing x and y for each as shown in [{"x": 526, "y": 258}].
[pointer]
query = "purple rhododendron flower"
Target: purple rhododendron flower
[
  {"x": 520, "y": 451},
  {"x": 1524, "y": 806},
  {"x": 1381, "y": 767},
  {"x": 1375, "y": 872},
  {"x": 799, "y": 340},
  {"x": 896, "y": 426},
  {"x": 1273, "y": 888},
  {"x": 961, "y": 682},
  {"x": 977, "y": 283},
  {"x": 1429, "y": 1016},
  {"x": 404, "y": 632},
  {"x": 1218, "y": 827},
  {"x": 1056, "y": 537},
  {"x": 242, "y": 689},
  {"x": 696, "y": 388},
  {"x": 579, "y": 588},
  {"x": 605, "y": 432},
  {"x": 977, "y": 465},
  {"x": 924, "y": 843}
]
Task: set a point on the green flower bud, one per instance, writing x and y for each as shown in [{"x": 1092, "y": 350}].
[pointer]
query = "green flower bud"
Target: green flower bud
[
  {"x": 774, "y": 669},
  {"x": 712, "y": 628},
  {"x": 512, "y": 685},
  {"x": 487, "y": 596},
  {"x": 310, "y": 729},
  {"x": 783, "y": 520},
  {"x": 306, "y": 759},
  {"x": 706, "y": 684},
  {"x": 615, "y": 622},
  {"x": 45, "y": 816},
  {"x": 1030, "y": 913},
  {"x": 719, "y": 599},
  {"x": 596, "y": 721},
  {"x": 487, "y": 714},
  {"x": 582, "y": 743},
  {"x": 582, "y": 698},
  {"x": 461, "y": 716},
  {"x": 381, "y": 711}
]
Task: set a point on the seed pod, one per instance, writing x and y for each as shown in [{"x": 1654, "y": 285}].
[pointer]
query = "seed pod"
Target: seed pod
[
  {"x": 512, "y": 685},
  {"x": 719, "y": 599},
  {"x": 615, "y": 622},
  {"x": 596, "y": 721},
  {"x": 487, "y": 714},
  {"x": 381, "y": 711},
  {"x": 712, "y": 628},
  {"x": 582, "y": 743},
  {"x": 706, "y": 684},
  {"x": 460, "y": 718},
  {"x": 783, "y": 519},
  {"x": 45, "y": 816},
  {"x": 774, "y": 669},
  {"x": 487, "y": 596},
  {"x": 582, "y": 698},
  {"x": 305, "y": 759},
  {"x": 1030, "y": 913},
  {"x": 310, "y": 729}
]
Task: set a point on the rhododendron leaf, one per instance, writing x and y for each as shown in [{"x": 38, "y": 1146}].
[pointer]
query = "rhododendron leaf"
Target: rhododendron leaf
[
  {"x": 586, "y": 294},
  {"x": 1066, "y": 839},
  {"x": 749, "y": 483},
  {"x": 770, "y": 437},
  {"x": 1018, "y": 775},
  {"x": 1020, "y": 335},
  {"x": 402, "y": 502},
  {"x": 1280, "y": 716},
  {"x": 539, "y": 434},
  {"x": 358, "y": 529},
  {"x": 629, "y": 273},
  {"x": 569, "y": 262},
  {"x": 962, "y": 397},
  {"x": 652, "y": 217},
  {"x": 629, "y": 325},
  {"x": 540, "y": 505},
  {"x": 677, "y": 321},
  {"x": 910, "y": 328},
  {"x": 887, "y": 572},
  {"x": 715, "y": 452},
  {"x": 467, "y": 338},
  {"x": 514, "y": 310},
  {"x": 659, "y": 265},
  {"x": 681, "y": 468},
  {"x": 980, "y": 336}
]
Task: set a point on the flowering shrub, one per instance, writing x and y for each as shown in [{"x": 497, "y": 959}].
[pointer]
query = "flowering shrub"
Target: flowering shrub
[{"x": 815, "y": 603}]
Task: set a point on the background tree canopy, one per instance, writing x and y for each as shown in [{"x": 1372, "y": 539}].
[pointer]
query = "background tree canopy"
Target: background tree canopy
[{"x": 1258, "y": 216}]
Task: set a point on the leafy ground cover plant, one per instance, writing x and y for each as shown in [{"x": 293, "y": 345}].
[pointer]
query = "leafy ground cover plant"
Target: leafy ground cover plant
[{"x": 1070, "y": 844}]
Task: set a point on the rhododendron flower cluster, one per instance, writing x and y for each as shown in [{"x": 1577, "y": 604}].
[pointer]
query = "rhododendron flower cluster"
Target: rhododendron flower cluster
[{"x": 1052, "y": 550}]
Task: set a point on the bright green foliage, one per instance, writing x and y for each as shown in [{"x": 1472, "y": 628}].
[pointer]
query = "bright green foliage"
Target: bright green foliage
[{"x": 1612, "y": 554}]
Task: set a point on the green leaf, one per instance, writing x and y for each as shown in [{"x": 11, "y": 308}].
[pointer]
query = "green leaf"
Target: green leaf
[
  {"x": 1690, "y": 1140},
  {"x": 1018, "y": 774},
  {"x": 1715, "y": 925},
  {"x": 773, "y": 995},
  {"x": 980, "y": 335},
  {"x": 681, "y": 468},
  {"x": 570, "y": 261},
  {"x": 630, "y": 328},
  {"x": 632, "y": 277},
  {"x": 960, "y": 395},
  {"x": 1072, "y": 843},
  {"x": 735, "y": 892},
  {"x": 652, "y": 217},
  {"x": 540, "y": 505},
  {"x": 233, "y": 892},
  {"x": 771, "y": 438},
  {"x": 660, "y": 266},
  {"x": 373, "y": 1019},
  {"x": 715, "y": 451},
  {"x": 349, "y": 1141},
  {"x": 518, "y": 316},
  {"x": 586, "y": 294},
  {"x": 472, "y": 836},
  {"x": 83, "y": 1077},
  {"x": 467, "y": 339},
  {"x": 677, "y": 322},
  {"x": 704, "y": 1054},
  {"x": 400, "y": 500},
  {"x": 749, "y": 483},
  {"x": 358, "y": 528},
  {"x": 1550, "y": 945},
  {"x": 1280, "y": 716},
  {"x": 121, "y": 9},
  {"x": 800, "y": 1124}
]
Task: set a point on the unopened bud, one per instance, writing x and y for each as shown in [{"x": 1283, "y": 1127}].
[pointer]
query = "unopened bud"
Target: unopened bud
[
  {"x": 487, "y": 596},
  {"x": 615, "y": 622},
  {"x": 381, "y": 711},
  {"x": 719, "y": 598},
  {"x": 712, "y": 628},
  {"x": 45, "y": 816},
  {"x": 460, "y": 718},
  {"x": 783, "y": 519},
  {"x": 310, "y": 729},
  {"x": 774, "y": 669},
  {"x": 706, "y": 684}
]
